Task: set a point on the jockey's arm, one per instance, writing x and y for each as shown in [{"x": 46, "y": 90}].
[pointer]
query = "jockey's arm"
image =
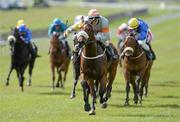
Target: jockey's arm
[
  {"x": 28, "y": 36},
  {"x": 142, "y": 35},
  {"x": 72, "y": 28},
  {"x": 50, "y": 30}
]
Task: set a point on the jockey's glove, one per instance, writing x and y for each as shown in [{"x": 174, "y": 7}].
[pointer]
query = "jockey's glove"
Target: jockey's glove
[
  {"x": 22, "y": 38},
  {"x": 56, "y": 33}
]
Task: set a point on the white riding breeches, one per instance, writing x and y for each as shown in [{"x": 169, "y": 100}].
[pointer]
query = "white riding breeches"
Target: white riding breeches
[{"x": 144, "y": 45}]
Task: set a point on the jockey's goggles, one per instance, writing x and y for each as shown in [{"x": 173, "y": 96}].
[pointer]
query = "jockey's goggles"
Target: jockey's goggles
[{"x": 92, "y": 18}]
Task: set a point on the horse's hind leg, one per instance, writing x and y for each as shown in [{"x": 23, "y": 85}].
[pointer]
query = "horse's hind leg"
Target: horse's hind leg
[
  {"x": 86, "y": 95},
  {"x": 10, "y": 71}
]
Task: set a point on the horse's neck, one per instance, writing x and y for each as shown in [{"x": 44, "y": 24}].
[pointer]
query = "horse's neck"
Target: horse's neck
[
  {"x": 55, "y": 42},
  {"x": 90, "y": 49}
]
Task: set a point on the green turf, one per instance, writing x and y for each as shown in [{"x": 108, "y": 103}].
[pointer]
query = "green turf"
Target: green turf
[{"x": 39, "y": 103}]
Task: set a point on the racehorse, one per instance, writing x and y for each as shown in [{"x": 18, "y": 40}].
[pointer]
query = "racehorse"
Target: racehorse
[
  {"x": 59, "y": 60},
  {"x": 20, "y": 58},
  {"x": 94, "y": 67},
  {"x": 136, "y": 68}
]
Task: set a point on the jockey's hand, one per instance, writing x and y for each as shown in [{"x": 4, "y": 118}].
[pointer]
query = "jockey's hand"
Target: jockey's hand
[
  {"x": 22, "y": 38},
  {"x": 56, "y": 33},
  {"x": 62, "y": 37}
]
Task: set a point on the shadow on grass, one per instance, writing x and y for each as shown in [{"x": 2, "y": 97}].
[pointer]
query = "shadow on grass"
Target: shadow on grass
[
  {"x": 54, "y": 93},
  {"x": 168, "y": 84},
  {"x": 173, "y": 106},
  {"x": 170, "y": 97},
  {"x": 145, "y": 115}
]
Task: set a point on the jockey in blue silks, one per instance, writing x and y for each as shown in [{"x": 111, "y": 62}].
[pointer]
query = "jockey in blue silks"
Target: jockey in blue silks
[
  {"x": 58, "y": 27},
  {"x": 26, "y": 36},
  {"x": 143, "y": 35}
]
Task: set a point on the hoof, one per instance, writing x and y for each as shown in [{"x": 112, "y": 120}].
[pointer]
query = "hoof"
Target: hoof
[
  {"x": 92, "y": 112},
  {"x": 57, "y": 85},
  {"x": 62, "y": 86},
  {"x": 104, "y": 105},
  {"x": 7, "y": 83},
  {"x": 28, "y": 84},
  {"x": 22, "y": 89},
  {"x": 72, "y": 96},
  {"x": 126, "y": 104},
  {"x": 87, "y": 107},
  {"x": 135, "y": 102}
]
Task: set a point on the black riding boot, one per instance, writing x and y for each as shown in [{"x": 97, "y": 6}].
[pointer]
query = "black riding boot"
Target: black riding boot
[
  {"x": 149, "y": 55},
  {"x": 32, "y": 49},
  {"x": 68, "y": 49},
  {"x": 111, "y": 53},
  {"x": 153, "y": 54},
  {"x": 103, "y": 46}
]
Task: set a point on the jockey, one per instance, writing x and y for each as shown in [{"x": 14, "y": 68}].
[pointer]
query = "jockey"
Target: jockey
[
  {"x": 26, "y": 36},
  {"x": 142, "y": 35},
  {"x": 101, "y": 28},
  {"x": 58, "y": 27},
  {"x": 78, "y": 22},
  {"x": 20, "y": 22},
  {"x": 122, "y": 33}
]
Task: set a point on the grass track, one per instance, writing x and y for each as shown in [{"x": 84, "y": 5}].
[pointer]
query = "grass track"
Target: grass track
[{"x": 38, "y": 103}]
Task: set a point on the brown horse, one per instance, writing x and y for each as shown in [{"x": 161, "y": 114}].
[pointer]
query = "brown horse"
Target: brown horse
[
  {"x": 136, "y": 68},
  {"x": 58, "y": 60},
  {"x": 94, "y": 67}
]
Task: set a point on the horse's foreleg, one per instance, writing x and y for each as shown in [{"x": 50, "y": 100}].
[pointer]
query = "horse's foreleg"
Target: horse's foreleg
[
  {"x": 96, "y": 88},
  {"x": 85, "y": 95},
  {"x": 53, "y": 77},
  {"x": 102, "y": 91},
  {"x": 127, "y": 93},
  {"x": 135, "y": 92},
  {"x": 93, "y": 94},
  {"x": 10, "y": 71},
  {"x": 76, "y": 74},
  {"x": 31, "y": 66},
  {"x": 141, "y": 91},
  {"x": 21, "y": 81},
  {"x": 59, "y": 78}
]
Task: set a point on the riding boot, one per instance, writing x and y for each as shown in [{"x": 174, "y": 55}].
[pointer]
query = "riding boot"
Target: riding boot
[
  {"x": 32, "y": 49},
  {"x": 153, "y": 53},
  {"x": 110, "y": 51},
  {"x": 103, "y": 46},
  {"x": 149, "y": 54},
  {"x": 68, "y": 49}
]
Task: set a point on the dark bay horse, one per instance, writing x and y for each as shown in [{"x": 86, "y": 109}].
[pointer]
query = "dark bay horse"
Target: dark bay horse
[
  {"x": 59, "y": 60},
  {"x": 94, "y": 67},
  {"x": 20, "y": 58},
  {"x": 136, "y": 68}
]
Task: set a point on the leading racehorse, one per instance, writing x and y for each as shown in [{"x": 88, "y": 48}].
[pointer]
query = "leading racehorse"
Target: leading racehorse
[
  {"x": 20, "y": 58},
  {"x": 94, "y": 67},
  {"x": 59, "y": 60},
  {"x": 136, "y": 68}
]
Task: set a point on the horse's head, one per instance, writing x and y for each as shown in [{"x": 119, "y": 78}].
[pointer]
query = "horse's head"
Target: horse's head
[
  {"x": 86, "y": 33},
  {"x": 130, "y": 46}
]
